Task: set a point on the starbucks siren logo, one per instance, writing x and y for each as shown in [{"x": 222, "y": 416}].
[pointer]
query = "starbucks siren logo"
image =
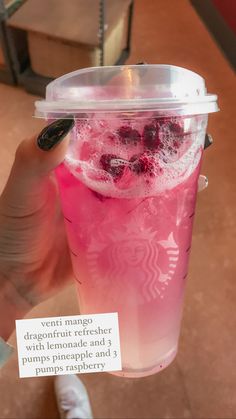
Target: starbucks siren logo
[{"x": 131, "y": 258}]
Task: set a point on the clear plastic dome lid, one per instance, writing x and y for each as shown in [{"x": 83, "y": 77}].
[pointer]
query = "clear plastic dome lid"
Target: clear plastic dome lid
[{"x": 161, "y": 88}]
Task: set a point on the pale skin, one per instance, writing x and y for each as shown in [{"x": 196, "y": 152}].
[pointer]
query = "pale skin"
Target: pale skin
[{"x": 34, "y": 257}]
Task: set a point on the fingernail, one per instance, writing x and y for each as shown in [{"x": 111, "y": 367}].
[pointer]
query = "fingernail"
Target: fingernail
[
  {"x": 208, "y": 141},
  {"x": 54, "y": 133}
]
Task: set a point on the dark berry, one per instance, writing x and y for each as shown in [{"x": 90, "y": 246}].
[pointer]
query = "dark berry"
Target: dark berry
[
  {"x": 151, "y": 136},
  {"x": 143, "y": 163},
  {"x": 161, "y": 121},
  {"x": 171, "y": 150},
  {"x": 176, "y": 129},
  {"x": 129, "y": 135},
  {"x": 113, "y": 165},
  {"x": 111, "y": 137},
  {"x": 177, "y": 144}
]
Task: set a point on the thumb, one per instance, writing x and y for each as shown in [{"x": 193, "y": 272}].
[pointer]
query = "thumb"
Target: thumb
[{"x": 28, "y": 185}]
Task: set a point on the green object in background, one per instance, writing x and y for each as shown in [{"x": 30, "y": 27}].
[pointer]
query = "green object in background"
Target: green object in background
[{"x": 12, "y": 5}]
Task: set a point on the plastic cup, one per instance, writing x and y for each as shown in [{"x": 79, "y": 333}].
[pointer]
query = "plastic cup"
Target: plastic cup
[{"x": 128, "y": 189}]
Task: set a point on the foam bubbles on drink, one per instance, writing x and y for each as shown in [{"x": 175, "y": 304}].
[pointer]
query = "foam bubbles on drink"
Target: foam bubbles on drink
[{"x": 173, "y": 166}]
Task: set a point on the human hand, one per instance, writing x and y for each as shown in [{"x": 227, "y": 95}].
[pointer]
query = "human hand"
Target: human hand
[{"x": 34, "y": 257}]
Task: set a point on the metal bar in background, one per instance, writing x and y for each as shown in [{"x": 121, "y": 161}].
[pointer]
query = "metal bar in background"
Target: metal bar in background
[
  {"x": 101, "y": 30},
  {"x": 130, "y": 19},
  {"x": 12, "y": 6},
  {"x": 7, "y": 74},
  {"x": 217, "y": 26},
  {"x": 2, "y": 10},
  {"x": 34, "y": 83},
  {"x": 126, "y": 51},
  {"x": 19, "y": 62}
]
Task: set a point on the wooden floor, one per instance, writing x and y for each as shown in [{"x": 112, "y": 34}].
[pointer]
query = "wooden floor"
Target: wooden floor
[{"x": 201, "y": 383}]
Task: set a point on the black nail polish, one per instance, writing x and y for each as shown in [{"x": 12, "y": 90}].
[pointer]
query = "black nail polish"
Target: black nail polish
[
  {"x": 208, "y": 141},
  {"x": 54, "y": 133}
]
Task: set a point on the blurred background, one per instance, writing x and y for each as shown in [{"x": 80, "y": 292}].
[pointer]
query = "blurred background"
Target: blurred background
[{"x": 42, "y": 39}]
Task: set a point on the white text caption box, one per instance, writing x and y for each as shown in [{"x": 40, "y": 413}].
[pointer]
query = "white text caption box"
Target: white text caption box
[{"x": 68, "y": 345}]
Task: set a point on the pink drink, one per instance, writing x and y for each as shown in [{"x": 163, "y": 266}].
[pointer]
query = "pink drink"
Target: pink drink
[
  {"x": 128, "y": 189},
  {"x": 130, "y": 237}
]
